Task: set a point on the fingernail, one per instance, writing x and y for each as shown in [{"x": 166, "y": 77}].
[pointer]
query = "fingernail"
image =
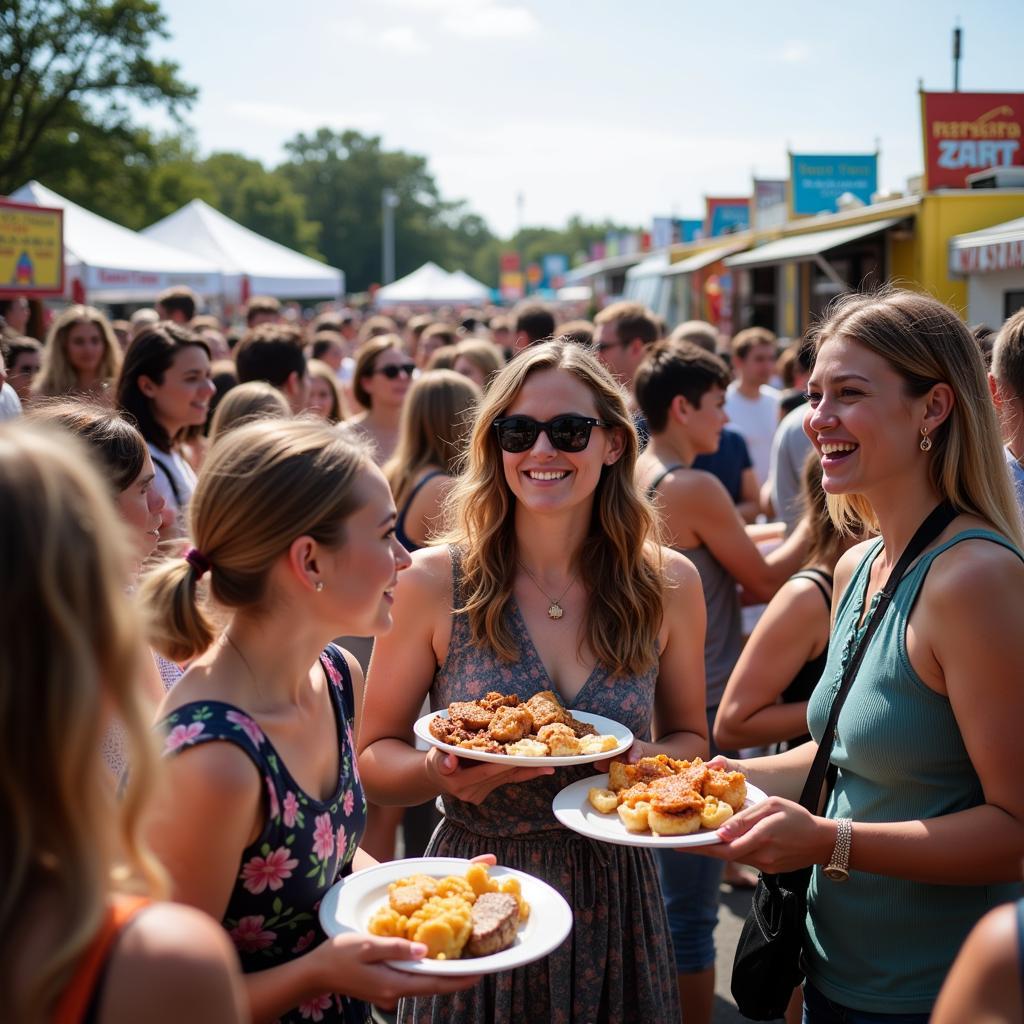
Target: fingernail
[{"x": 418, "y": 949}]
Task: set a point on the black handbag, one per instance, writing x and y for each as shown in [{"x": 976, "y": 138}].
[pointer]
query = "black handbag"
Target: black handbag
[{"x": 768, "y": 963}]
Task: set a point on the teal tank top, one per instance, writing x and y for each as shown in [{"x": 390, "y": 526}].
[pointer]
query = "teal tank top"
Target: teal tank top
[{"x": 878, "y": 944}]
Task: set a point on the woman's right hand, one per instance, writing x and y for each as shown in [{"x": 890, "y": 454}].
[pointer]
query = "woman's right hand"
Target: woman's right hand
[
  {"x": 354, "y": 966},
  {"x": 473, "y": 781}
]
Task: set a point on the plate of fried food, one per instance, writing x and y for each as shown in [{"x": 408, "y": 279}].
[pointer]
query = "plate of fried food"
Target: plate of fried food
[
  {"x": 657, "y": 801},
  {"x": 506, "y": 730},
  {"x": 473, "y": 919}
]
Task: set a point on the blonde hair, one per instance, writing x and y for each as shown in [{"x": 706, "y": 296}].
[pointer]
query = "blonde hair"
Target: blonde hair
[
  {"x": 262, "y": 485},
  {"x": 484, "y": 355},
  {"x": 57, "y": 376},
  {"x": 254, "y": 400},
  {"x": 620, "y": 561},
  {"x": 322, "y": 372},
  {"x": 435, "y": 423},
  {"x": 926, "y": 343},
  {"x": 71, "y": 655}
]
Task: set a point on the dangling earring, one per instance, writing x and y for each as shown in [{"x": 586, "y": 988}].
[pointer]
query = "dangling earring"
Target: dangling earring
[{"x": 926, "y": 441}]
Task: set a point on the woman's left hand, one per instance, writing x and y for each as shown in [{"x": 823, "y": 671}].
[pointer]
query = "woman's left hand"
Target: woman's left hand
[{"x": 774, "y": 835}]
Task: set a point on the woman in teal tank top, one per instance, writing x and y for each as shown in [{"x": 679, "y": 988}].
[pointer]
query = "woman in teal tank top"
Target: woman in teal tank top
[{"x": 924, "y": 829}]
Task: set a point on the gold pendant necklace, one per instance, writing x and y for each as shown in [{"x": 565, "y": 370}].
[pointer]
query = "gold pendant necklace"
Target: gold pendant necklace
[{"x": 555, "y": 610}]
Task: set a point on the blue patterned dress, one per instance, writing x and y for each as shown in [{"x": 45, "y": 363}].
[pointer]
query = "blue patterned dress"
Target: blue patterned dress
[
  {"x": 306, "y": 844},
  {"x": 616, "y": 967}
]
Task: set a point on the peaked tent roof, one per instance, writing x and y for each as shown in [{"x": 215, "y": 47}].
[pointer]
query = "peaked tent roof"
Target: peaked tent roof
[
  {"x": 432, "y": 284},
  {"x": 114, "y": 263},
  {"x": 272, "y": 269}
]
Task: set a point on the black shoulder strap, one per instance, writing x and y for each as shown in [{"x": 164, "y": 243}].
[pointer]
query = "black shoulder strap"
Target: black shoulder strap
[
  {"x": 166, "y": 470},
  {"x": 820, "y": 579},
  {"x": 939, "y": 518},
  {"x": 653, "y": 487}
]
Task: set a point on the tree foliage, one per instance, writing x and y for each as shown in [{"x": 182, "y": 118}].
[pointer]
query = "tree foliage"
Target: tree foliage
[{"x": 72, "y": 65}]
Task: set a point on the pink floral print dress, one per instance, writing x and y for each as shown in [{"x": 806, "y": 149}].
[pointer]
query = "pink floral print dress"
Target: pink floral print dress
[{"x": 306, "y": 844}]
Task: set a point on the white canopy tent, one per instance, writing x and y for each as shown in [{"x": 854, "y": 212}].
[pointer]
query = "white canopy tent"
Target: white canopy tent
[
  {"x": 249, "y": 263},
  {"x": 112, "y": 263},
  {"x": 432, "y": 284}
]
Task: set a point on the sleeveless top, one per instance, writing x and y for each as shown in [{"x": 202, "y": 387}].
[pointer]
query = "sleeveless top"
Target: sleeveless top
[
  {"x": 305, "y": 846},
  {"x": 803, "y": 683},
  {"x": 724, "y": 638},
  {"x": 875, "y": 943},
  {"x": 80, "y": 1000},
  {"x": 403, "y": 537}
]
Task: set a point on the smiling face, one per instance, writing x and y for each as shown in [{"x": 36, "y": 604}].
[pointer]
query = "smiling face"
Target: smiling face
[
  {"x": 183, "y": 397},
  {"x": 360, "y": 576},
  {"x": 544, "y": 479},
  {"x": 141, "y": 506},
  {"x": 861, "y": 420},
  {"x": 84, "y": 346}
]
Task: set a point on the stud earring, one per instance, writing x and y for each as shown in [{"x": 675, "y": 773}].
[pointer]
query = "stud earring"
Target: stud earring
[
  {"x": 926, "y": 441},
  {"x": 319, "y": 586}
]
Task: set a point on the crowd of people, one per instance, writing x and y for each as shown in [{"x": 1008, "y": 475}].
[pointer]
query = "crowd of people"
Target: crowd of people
[{"x": 264, "y": 550}]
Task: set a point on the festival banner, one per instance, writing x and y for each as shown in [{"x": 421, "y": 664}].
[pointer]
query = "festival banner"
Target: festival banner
[
  {"x": 726, "y": 215},
  {"x": 31, "y": 250},
  {"x": 819, "y": 180},
  {"x": 966, "y": 132},
  {"x": 770, "y": 204}
]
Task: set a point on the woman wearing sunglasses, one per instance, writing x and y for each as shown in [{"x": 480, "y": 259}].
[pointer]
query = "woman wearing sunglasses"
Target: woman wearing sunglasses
[
  {"x": 553, "y": 580},
  {"x": 381, "y": 380}
]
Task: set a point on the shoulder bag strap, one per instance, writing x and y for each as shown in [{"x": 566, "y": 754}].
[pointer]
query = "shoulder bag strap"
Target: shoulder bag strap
[{"x": 939, "y": 518}]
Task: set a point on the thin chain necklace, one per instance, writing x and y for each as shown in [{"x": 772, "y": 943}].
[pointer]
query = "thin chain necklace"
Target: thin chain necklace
[
  {"x": 245, "y": 661},
  {"x": 555, "y": 610}
]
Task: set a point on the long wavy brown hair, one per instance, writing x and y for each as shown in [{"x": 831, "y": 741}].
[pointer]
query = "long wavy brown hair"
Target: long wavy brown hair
[{"x": 620, "y": 561}]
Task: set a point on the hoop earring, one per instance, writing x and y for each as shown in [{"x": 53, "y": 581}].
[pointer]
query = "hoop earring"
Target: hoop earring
[{"x": 926, "y": 441}]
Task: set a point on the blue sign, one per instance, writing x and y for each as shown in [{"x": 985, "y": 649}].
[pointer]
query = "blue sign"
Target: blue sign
[{"x": 818, "y": 181}]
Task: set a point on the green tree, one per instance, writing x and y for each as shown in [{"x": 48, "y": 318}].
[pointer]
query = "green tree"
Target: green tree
[
  {"x": 342, "y": 175},
  {"x": 70, "y": 66}
]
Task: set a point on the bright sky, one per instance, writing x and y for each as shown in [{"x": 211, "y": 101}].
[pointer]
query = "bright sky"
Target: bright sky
[{"x": 596, "y": 107}]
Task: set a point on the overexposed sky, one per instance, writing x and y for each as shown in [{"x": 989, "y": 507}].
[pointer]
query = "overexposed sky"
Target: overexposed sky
[{"x": 605, "y": 108}]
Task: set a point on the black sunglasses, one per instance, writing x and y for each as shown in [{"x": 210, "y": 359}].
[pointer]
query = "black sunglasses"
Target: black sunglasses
[
  {"x": 568, "y": 433},
  {"x": 394, "y": 369}
]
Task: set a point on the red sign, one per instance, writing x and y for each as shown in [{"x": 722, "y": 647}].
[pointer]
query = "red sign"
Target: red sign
[
  {"x": 982, "y": 259},
  {"x": 509, "y": 262},
  {"x": 966, "y": 132}
]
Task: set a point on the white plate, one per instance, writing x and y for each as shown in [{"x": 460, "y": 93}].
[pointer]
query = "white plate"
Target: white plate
[
  {"x": 574, "y": 810},
  {"x": 349, "y": 905},
  {"x": 605, "y": 726}
]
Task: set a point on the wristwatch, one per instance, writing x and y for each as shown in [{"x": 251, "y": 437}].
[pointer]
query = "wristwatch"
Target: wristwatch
[{"x": 838, "y": 867}]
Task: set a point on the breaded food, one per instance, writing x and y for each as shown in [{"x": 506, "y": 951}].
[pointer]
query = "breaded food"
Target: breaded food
[
  {"x": 604, "y": 801},
  {"x": 715, "y": 814},
  {"x": 527, "y": 748},
  {"x": 597, "y": 744},
  {"x": 560, "y": 739},
  {"x": 406, "y": 899},
  {"x": 510, "y": 724},
  {"x": 676, "y": 824},
  {"x": 635, "y": 818},
  {"x": 728, "y": 786},
  {"x": 447, "y": 731},
  {"x": 470, "y": 715},
  {"x": 494, "y": 700},
  {"x": 674, "y": 795},
  {"x": 483, "y": 743},
  {"x": 622, "y": 775},
  {"x": 493, "y": 921},
  {"x": 546, "y": 708}
]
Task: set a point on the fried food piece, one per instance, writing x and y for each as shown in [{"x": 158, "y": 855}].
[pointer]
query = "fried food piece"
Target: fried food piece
[
  {"x": 675, "y": 807},
  {"x": 510, "y": 724},
  {"x": 470, "y": 715},
  {"x": 560, "y": 739},
  {"x": 635, "y": 818},
  {"x": 513, "y": 888},
  {"x": 447, "y": 731},
  {"x": 480, "y": 881},
  {"x": 484, "y": 743},
  {"x": 716, "y": 812},
  {"x": 604, "y": 801},
  {"x": 527, "y": 748},
  {"x": 546, "y": 708},
  {"x": 728, "y": 786},
  {"x": 684, "y": 824},
  {"x": 641, "y": 792},
  {"x": 443, "y": 925},
  {"x": 597, "y": 744},
  {"x": 494, "y": 919},
  {"x": 389, "y": 923},
  {"x": 406, "y": 899},
  {"x": 494, "y": 700},
  {"x": 622, "y": 775},
  {"x": 455, "y": 886},
  {"x": 581, "y": 729}
]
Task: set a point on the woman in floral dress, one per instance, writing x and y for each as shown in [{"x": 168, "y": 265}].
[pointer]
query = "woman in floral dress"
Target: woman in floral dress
[
  {"x": 263, "y": 810},
  {"x": 553, "y": 581}
]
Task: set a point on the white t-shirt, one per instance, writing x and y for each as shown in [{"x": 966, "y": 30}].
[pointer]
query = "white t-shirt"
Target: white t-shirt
[
  {"x": 1017, "y": 475},
  {"x": 175, "y": 479},
  {"x": 10, "y": 404},
  {"x": 756, "y": 419}
]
